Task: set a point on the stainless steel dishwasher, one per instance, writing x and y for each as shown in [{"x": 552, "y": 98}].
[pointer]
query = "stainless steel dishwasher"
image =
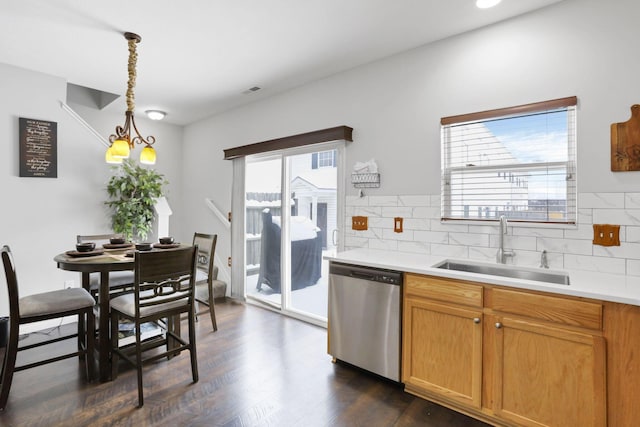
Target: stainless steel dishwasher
[{"x": 364, "y": 318}]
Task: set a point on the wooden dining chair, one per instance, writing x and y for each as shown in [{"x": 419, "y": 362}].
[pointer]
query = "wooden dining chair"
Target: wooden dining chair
[
  {"x": 204, "y": 292},
  {"x": 163, "y": 290},
  {"x": 119, "y": 281},
  {"x": 44, "y": 306}
]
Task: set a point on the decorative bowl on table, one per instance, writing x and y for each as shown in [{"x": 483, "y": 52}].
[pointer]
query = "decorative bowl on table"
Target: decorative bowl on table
[
  {"x": 143, "y": 246},
  {"x": 166, "y": 240},
  {"x": 85, "y": 246},
  {"x": 116, "y": 240}
]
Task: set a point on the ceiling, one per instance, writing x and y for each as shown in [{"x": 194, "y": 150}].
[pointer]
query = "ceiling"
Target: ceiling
[{"x": 199, "y": 57}]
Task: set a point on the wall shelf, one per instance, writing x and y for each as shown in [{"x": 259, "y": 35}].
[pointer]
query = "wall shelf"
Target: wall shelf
[{"x": 365, "y": 180}]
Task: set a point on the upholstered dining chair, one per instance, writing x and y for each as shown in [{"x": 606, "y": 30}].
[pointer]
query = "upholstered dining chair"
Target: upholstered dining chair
[
  {"x": 44, "y": 306},
  {"x": 163, "y": 290},
  {"x": 119, "y": 281},
  {"x": 205, "y": 273}
]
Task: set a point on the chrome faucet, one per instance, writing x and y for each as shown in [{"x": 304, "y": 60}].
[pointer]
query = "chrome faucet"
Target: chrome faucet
[
  {"x": 502, "y": 255},
  {"x": 544, "y": 262}
]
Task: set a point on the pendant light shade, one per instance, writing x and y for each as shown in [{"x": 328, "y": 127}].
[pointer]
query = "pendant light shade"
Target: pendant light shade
[
  {"x": 110, "y": 158},
  {"x": 148, "y": 155},
  {"x": 120, "y": 148}
]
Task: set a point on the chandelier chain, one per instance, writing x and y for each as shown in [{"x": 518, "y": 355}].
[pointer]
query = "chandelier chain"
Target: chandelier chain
[{"x": 131, "y": 83}]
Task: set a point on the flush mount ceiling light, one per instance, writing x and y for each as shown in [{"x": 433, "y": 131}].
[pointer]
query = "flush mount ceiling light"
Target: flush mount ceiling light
[
  {"x": 155, "y": 114},
  {"x": 485, "y": 4},
  {"x": 123, "y": 141}
]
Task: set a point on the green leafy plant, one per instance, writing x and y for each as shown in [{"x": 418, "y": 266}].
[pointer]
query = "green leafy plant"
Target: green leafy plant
[{"x": 131, "y": 192}]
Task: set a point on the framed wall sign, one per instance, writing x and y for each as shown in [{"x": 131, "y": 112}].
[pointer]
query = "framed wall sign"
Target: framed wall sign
[{"x": 38, "y": 148}]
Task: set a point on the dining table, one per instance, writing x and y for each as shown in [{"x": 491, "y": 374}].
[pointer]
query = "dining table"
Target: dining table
[{"x": 103, "y": 261}]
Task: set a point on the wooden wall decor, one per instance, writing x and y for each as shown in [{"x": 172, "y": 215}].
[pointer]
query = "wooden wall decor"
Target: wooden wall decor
[
  {"x": 625, "y": 143},
  {"x": 38, "y": 148}
]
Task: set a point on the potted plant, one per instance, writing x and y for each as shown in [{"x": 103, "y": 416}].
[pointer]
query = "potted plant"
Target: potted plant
[{"x": 131, "y": 192}]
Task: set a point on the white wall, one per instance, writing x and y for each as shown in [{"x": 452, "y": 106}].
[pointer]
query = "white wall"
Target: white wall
[
  {"x": 586, "y": 48},
  {"x": 42, "y": 216}
]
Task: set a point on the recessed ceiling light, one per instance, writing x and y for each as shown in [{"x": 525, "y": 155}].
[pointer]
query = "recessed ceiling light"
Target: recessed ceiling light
[
  {"x": 155, "y": 114},
  {"x": 485, "y": 4}
]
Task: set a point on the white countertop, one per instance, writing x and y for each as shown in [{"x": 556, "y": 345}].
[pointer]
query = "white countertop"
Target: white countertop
[{"x": 587, "y": 284}]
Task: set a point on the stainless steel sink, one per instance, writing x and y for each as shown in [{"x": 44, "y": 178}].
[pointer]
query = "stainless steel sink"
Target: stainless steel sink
[{"x": 515, "y": 272}]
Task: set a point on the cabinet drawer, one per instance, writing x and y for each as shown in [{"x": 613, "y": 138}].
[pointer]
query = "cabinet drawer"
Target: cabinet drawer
[
  {"x": 562, "y": 310},
  {"x": 443, "y": 289}
]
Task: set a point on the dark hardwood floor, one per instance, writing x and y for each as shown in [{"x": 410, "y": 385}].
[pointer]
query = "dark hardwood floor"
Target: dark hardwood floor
[{"x": 259, "y": 369}]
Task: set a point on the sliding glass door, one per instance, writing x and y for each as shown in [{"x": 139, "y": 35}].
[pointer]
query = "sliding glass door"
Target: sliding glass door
[{"x": 291, "y": 213}]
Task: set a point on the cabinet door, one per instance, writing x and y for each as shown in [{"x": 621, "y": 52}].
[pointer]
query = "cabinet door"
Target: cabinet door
[
  {"x": 442, "y": 350},
  {"x": 546, "y": 376}
]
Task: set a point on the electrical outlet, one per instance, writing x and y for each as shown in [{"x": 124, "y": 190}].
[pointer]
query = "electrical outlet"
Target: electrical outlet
[
  {"x": 397, "y": 224},
  {"x": 69, "y": 284}
]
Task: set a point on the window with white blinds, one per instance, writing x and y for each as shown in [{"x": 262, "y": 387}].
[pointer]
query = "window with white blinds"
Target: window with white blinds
[{"x": 519, "y": 162}]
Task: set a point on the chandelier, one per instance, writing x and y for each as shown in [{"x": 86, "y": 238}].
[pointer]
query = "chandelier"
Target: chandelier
[{"x": 125, "y": 138}]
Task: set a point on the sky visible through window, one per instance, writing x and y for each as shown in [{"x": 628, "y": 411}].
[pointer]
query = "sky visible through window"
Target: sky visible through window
[
  {"x": 533, "y": 138},
  {"x": 537, "y": 138}
]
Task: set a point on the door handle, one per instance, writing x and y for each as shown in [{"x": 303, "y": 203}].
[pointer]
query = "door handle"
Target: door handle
[{"x": 334, "y": 234}]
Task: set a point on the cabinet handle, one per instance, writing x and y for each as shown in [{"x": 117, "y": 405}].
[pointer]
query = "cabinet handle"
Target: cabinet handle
[
  {"x": 498, "y": 325},
  {"x": 476, "y": 320}
]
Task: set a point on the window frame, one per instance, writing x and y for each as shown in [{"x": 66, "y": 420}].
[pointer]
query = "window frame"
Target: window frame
[{"x": 568, "y": 103}]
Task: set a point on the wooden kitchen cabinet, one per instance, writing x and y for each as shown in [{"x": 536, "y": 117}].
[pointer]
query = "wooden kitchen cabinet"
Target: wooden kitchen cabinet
[
  {"x": 547, "y": 376},
  {"x": 442, "y": 339},
  {"x": 443, "y": 350},
  {"x": 508, "y": 357}
]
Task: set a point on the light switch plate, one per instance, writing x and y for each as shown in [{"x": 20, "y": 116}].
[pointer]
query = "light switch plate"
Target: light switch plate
[
  {"x": 359, "y": 223},
  {"x": 606, "y": 235}
]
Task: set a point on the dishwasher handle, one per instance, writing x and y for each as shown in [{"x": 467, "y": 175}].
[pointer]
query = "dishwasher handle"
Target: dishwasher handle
[
  {"x": 366, "y": 273},
  {"x": 363, "y": 276}
]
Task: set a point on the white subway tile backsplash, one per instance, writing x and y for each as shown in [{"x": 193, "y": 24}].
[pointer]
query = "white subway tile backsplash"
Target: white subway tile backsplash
[
  {"x": 601, "y": 200},
  {"x": 383, "y": 201},
  {"x": 538, "y": 232},
  {"x": 616, "y": 216},
  {"x": 592, "y": 263},
  {"x": 416, "y": 224},
  {"x": 380, "y": 222},
  {"x": 469, "y": 239},
  {"x": 388, "y": 245},
  {"x": 413, "y": 201},
  {"x": 357, "y": 201},
  {"x": 353, "y": 242},
  {"x": 368, "y": 211},
  {"x": 632, "y": 234},
  {"x": 426, "y": 236},
  {"x": 427, "y": 212},
  {"x": 436, "y": 225},
  {"x": 569, "y": 248},
  {"x": 392, "y": 212},
  {"x": 389, "y": 234},
  {"x": 585, "y": 216},
  {"x": 632, "y": 200},
  {"x": 482, "y": 254},
  {"x": 582, "y": 232},
  {"x": 625, "y": 250},
  {"x": 451, "y": 251},
  {"x": 528, "y": 243},
  {"x": 633, "y": 267},
  {"x": 414, "y": 247}
]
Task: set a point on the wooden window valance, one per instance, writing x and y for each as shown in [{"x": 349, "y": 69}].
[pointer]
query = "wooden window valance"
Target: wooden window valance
[{"x": 309, "y": 138}]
